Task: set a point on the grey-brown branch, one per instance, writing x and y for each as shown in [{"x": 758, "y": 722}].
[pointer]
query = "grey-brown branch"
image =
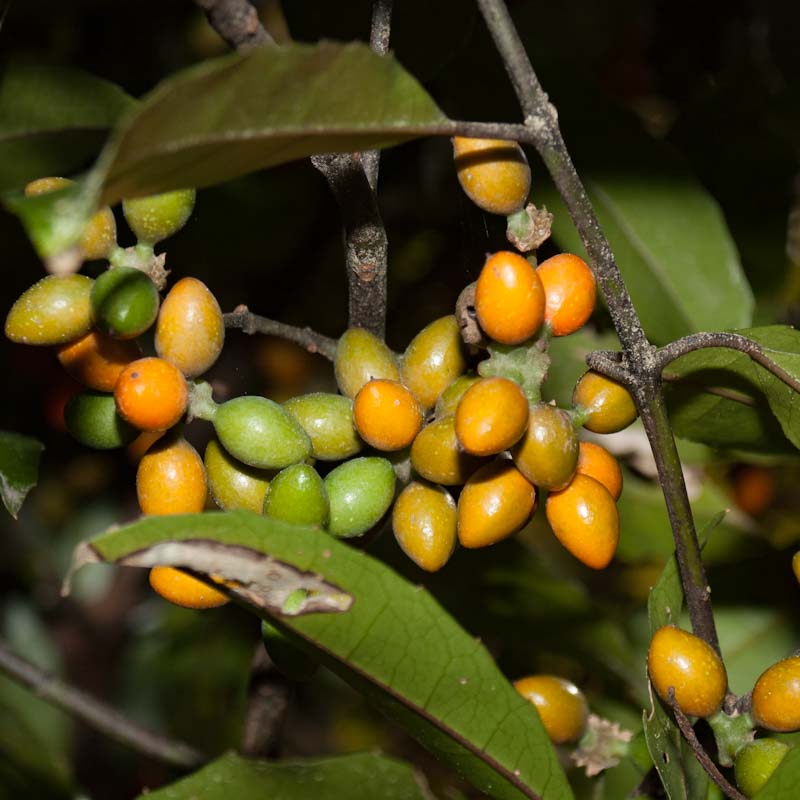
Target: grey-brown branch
[
  {"x": 248, "y": 322},
  {"x": 638, "y": 369},
  {"x": 96, "y": 714},
  {"x": 237, "y": 22}
]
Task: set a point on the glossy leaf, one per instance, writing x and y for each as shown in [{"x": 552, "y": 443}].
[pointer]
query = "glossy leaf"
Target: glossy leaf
[
  {"x": 52, "y": 120},
  {"x": 721, "y": 397},
  {"x": 669, "y": 239},
  {"x": 355, "y": 776},
  {"x": 244, "y": 112},
  {"x": 19, "y": 468},
  {"x": 394, "y": 642}
]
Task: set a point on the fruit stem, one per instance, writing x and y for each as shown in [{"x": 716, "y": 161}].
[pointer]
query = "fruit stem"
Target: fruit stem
[
  {"x": 201, "y": 402},
  {"x": 732, "y": 733}
]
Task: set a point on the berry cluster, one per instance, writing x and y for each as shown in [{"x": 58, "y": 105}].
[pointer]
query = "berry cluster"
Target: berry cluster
[{"x": 689, "y": 674}]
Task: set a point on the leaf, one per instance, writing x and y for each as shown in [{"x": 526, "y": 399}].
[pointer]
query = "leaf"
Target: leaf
[
  {"x": 723, "y": 398},
  {"x": 672, "y": 757},
  {"x": 667, "y": 233},
  {"x": 240, "y": 113},
  {"x": 52, "y": 119},
  {"x": 394, "y": 642},
  {"x": 19, "y": 468},
  {"x": 785, "y": 781},
  {"x": 360, "y": 775}
]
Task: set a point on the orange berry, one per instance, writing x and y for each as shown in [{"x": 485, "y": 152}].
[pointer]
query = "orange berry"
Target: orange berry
[
  {"x": 190, "y": 330},
  {"x": 491, "y": 416},
  {"x": 607, "y": 406},
  {"x": 585, "y": 520},
  {"x": 776, "y": 697},
  {"x": 509, "y": 298},
  {"x": 596, "y": 462},
  {"x": 97, "y": 360},
  {"x": 494, "y": 504},
  {"x": 494, "y": 173},
  {"x": 561, "y": 705},
  {"x": 171, "y": 479},
  {"x": 151, "y": 394},
  {"x": 570, "y": 293},
  {"x": 548, "y": 452},
  {"x": 754, "y": 489},
  {"x": 387, "y": 416},
  {"x": 683, "y": 662},
  {"x": 184, "y": 590}
]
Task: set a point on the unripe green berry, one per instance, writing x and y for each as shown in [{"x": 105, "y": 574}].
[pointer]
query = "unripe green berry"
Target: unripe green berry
[
  {"x": 360, "y": 492},
  {"x": 159, "y": 216},
  {"x": 756, "y": 762},
  {"x": 328, "y": 420},
  {"x": 547, "y": 454},
  {"x": 361, "y": 357},
  {"x": 91, "y": 417},
  {"x": 450, "y": 397},
  {"x": 297, "y": 494},
  {"x": 261, "y": 433},
  {"x": 55, "y": 310},
  {"x": 124, "y": 302}
]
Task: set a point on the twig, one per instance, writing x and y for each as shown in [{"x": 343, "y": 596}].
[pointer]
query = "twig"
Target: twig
[
  {"x": 731, "y": 341},
  {"x": 638, "y": 370},
  {"x": 237, "y": 22},
  {"x": 97, "y": 714},
  {"x": 365, "y": 241},
  {"x": 267, "y": 703},
  {"x": 248, "y": 322},
  {"x": 379, "y": 41},
  {"x": 705, "y": 761}
]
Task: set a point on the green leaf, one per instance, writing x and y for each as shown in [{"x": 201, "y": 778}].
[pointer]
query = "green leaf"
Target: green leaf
[
  {"x": 668, "y": 236},
  {"x": 19, "y": 468},
  {"x": 676, "y": 764},
  {"x": 395, "y": 643},
  {"x": 240, "y": 113},
  {"x": 785, "y": 781},
  {"x": 360, "y": 775},
  {"x": 723, "y": 398},
  {"x": 52, "y": 120}
]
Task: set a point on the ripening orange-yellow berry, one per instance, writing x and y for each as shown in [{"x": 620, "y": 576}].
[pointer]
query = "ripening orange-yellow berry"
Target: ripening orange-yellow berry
[
  {"x": 561, "y": 705},
  {"x": 605, "y": 405},
  {"x": 570, "y": 293},
  {"x": 386, "y": 415},
  {"x": 683, "y": 662},
  {"x": 494, "y": 173},
  {"x": 190, "y": 330},
  {"x": 585, "y": 520},
  {"x": 491, "y": 416},
  {"x": 151, "y": 394},
  {"x": 776, "y": 697},
  {"x": 754, "y": 489},
  {"x": 171, "y": 479},
  {"x": 97, "y": 360},
  {"x": 184, "y": 590},
  {"x": 596, "y": 462},
  {"x": 494, "y": 504},
  {"x": 796, "y": 565},
  {"x": 509, "y": 298}
]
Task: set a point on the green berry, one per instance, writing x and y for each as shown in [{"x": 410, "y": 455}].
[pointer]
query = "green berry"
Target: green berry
[
  {"x": 297, "y": 494},
  {"x": 361, "y": 357},
  {"x": 547, "y": 454},
  {"x": 360, "y": 492},
  {"x": 328, "y": 420},
  {"x": 290, "y": 659},
  {"x": 449, "y": 398},
  {"x": 756, "y": 762},
  {"x": 91, "y": 417},
  {"x": 124, "y": 302},
  {"x": 233, "y": 484},
  {"x": 54, "y": 310},
  {"x": 159, "y": 216},
  {"x": 261, "y": 433}
]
